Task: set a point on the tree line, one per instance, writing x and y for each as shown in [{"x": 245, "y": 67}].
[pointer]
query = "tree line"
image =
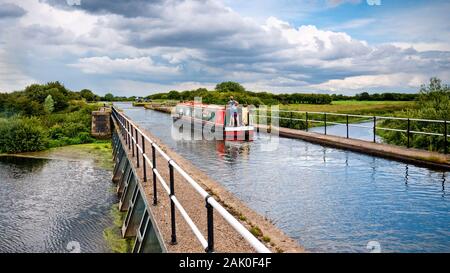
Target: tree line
[{"x": 222, "y": 91}]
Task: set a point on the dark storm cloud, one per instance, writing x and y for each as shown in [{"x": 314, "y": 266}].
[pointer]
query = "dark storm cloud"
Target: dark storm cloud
[
  {"x": 131, "y": 8},
  {"x": 9, "y": 10}
]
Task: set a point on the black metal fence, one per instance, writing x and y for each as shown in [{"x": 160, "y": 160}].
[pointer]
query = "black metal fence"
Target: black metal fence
[{"x": 304, "y": 120}]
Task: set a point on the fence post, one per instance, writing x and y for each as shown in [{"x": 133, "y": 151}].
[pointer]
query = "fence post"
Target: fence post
[
  {"x": 408, "y": 133},
  {"x": 445, "y": 137},
  {"x": 347, "y": 125},
  {"x": 155, "y": 191},
  {"x": 172, "y": 205},
  {"x": 325, "y": 120},
  {"x": 136, "y": 146},
  {"x": 129, "y": 136},
  {"x": 133, "y": 145},
  {"x": 210, "y": 219},
  {"x": 124, "y": 131},
  {"x": 290, "y": 121},
  {"x": 307, "y": 125},
  {"x": 144, "y": 164},
  {"x": 374, "y": 129}
]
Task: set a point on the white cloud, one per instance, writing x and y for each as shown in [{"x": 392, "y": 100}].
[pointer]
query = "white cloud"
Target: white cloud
[
  {"x": 11, "y": 76},
  {"x": 423, "y": 46},
  {"x": 367, "y": 82},
  {"x": 106, "y": 65},
  {"x": 169, "y": 43}
]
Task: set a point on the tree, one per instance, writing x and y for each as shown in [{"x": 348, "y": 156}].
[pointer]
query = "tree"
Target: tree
[
  {"x": 87, "y": 95},
  {"x": 173, "y": 95},
  {"x": 109, "y": 97},
  {"x": 363, "y": 96},
  {"x": 229, "y": 87},
  {"x": 49, "y": 104}
]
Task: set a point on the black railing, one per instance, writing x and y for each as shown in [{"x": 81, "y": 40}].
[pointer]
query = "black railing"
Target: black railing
[{"x": 326, "y": 121}]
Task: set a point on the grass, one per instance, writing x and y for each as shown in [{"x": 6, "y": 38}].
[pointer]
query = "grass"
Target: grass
[
  {"x": 99, "y": 152},
  {"x": 112, "y": 235},
  {"x": 256, "y": 231},
  {"x": 353, "y": 107}
]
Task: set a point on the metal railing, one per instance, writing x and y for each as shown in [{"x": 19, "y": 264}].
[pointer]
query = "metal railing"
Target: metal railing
[
  {"x": 365, "y": 118},
  {"x": 135, "y": 139}
]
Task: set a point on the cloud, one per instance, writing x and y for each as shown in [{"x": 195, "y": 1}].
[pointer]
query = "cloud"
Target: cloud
[
  {"x": 130, "y": 8},
  {"x": 163, "y": 44},
  {"x": 395, "y": 80},
  {"x": 335, "y": 3},
  {"x": 9, "y": 10},
  {"x": 11, "y": 76},
  {"x": 106, "y": 65}
]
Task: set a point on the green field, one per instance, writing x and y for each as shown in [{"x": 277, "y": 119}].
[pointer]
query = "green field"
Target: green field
[{"x": 354, "y": 107}]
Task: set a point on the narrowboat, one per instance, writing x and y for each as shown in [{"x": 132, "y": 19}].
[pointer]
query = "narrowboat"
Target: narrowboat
[{"x": 217, "y": 118}]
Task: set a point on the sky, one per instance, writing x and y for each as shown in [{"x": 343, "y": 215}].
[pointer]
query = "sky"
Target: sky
[{"x": 140, "y": 47}]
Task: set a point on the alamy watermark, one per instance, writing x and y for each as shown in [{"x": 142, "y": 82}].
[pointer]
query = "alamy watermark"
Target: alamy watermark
[
  {"x": 373, "y": 2},
  {"x": 73, "y": 2},
  {"x": 374, "y": 247},
  {"x": 73, "y": 247}
]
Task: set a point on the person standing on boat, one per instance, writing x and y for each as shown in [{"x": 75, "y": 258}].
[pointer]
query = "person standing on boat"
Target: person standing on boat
[
  {"x": 232, "y": 110},
  {"x": 235, "y": 115}
]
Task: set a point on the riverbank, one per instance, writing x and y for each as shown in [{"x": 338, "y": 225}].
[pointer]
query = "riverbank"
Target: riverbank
[{"x": 99, "y": 153}]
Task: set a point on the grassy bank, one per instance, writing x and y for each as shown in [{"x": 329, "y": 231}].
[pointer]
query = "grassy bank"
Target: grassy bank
[
  {"x": 113, "y": 236},
  {"x": 99, "y": 153}
]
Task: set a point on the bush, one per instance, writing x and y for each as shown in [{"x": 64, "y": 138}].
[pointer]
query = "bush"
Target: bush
[
  {"x": 22, "y": 135},
  {"x": 432, "y": 103}
]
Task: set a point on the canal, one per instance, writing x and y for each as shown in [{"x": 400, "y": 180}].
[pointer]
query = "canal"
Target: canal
[
  {"x": 54, "y": 205},
  {"x": 327, "y": 199}
]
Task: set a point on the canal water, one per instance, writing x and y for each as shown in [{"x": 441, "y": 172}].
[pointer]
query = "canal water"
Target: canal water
[
  {"x": 361, "y": 131},
  {"x": 327, "y": 199},
  {"x": 53, "y": 205}
]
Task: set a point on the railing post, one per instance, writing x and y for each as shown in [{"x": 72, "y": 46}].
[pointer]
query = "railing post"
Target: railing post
[
  {"x": 408, "y": 132},
  {"x": 144, "y": 163},
  {"x": 307, "y": 125},
  {"x": 325, "y": 120},
  {"x": 136, "y": 144},
  {"x": 445, "y": 137},
  {"x": 129, "y": 136},
  {"x": 133, "y": 145},
  {"x": 155, "y": 191},
  {"x": 290, "y": 121},
  {"x": 374, "y": 129},
  {"x": 347, "y": 125},
  {"x": 125, "y": 132},
  {"x": 210, "y": 219},
  {"x": 172, "y": 205}
]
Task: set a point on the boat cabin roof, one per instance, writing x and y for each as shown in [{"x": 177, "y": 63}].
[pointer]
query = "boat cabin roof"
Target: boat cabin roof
[{"x": 203, "y": 105}]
